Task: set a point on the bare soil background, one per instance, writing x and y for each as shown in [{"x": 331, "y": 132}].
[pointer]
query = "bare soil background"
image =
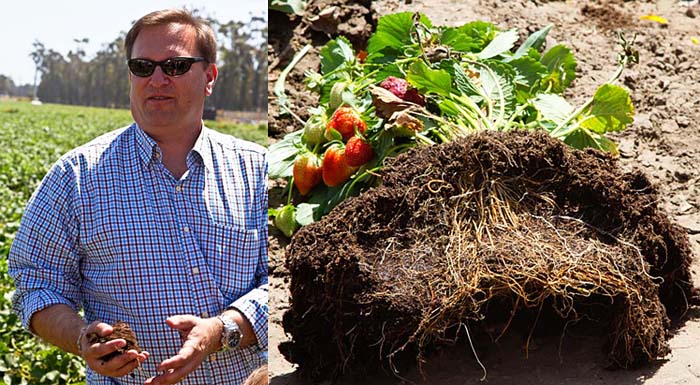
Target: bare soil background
[{"x": 663, "y": 142}]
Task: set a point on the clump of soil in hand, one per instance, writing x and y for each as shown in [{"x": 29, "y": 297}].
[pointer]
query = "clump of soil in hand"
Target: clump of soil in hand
[{"x": 119, "y": 330}]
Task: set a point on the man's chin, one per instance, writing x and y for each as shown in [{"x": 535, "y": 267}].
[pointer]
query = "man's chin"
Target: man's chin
[
  {"x": 151, "y": 123},
  {"x": 161, "y": 116}
]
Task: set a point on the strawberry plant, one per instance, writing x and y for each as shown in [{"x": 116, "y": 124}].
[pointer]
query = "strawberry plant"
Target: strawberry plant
[{"x": 419, "y": 84}]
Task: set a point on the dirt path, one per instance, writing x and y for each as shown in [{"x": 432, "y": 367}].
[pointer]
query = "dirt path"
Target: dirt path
[{"x": 664, "y": 142}]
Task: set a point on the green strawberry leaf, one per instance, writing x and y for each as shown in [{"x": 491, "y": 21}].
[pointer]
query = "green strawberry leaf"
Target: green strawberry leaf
[
  {"x": 381, "y": 58},
  {"x": 325, "y": 199},
  {"x": 611, "y": 110},
  {"x": 528, "y": 71},
  {"x": 428, "y": 80},
  {"x": 533, "y": 53},
  {"x": 461, "y": 80},
  {"x": 535, "y": 41},
  {"x": 390, "y": 69},
  {"x": 561, "y": 64},
  {"x": 497, "y": 83},
  {"x": 553, "y": 107},
  {"x": 471, "y": 37},
  {"x": 501, "y": 44},
  {"x": 394, "y": 32},
  {"x": 336, "y": 53},
  {"x": 583, "y": 138},
  {"x": 335, "y": 135},
  {"x": 281, "y": 155},
  {"x": 308, "y": 213}
]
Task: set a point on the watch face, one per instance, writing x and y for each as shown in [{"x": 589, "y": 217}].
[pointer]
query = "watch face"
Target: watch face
[{"x": 234, "y": 338}]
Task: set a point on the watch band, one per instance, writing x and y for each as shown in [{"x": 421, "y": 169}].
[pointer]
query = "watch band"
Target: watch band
[{"x": 231, "y": 336}]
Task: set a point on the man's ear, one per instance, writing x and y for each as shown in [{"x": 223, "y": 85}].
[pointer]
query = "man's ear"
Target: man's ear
[{"x": 212, "y": 72}]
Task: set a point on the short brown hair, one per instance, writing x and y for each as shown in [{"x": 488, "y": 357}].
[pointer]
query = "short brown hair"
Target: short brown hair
[{"x": 206, "y": 40}]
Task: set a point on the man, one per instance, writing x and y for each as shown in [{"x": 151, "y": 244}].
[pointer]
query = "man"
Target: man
[{"x": 161, "y": 224}]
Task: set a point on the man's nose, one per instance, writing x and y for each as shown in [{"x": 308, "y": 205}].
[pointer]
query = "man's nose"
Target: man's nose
[{"x": 159, "y": 78}]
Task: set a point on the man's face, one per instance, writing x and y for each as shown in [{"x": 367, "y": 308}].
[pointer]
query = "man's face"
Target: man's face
[{"x": 163, "y": 104}]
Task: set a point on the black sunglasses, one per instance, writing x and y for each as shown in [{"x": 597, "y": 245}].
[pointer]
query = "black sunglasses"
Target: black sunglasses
[{"x": 174, "y": 66}]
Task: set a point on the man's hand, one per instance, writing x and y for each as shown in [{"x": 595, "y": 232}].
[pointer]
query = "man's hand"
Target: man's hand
[
  {"x": 201, "y": 337},
  {"x": 118, "y": 366}
]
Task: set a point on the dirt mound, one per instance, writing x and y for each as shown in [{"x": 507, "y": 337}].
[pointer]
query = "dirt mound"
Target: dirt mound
[{"x": 468, "y": 240}]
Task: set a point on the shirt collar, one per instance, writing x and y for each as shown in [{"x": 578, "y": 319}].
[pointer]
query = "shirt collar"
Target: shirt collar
[
  {"x": 148, "y": 150},
  {"x": 203, "y": 147},
  {"x": 146, "y": 147}
]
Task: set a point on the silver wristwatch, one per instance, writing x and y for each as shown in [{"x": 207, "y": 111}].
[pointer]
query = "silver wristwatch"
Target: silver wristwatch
[{"x": 231, "y": 336}]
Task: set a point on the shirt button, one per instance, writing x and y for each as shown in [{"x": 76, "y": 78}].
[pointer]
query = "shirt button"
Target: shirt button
[
  {"x": 178, "y": 188},
  {"x": 195, "y": 270},
  {"x": 186, "y": 229},
  {"x": 205, "y": 315},
  {"x": 212, "y": 357}
]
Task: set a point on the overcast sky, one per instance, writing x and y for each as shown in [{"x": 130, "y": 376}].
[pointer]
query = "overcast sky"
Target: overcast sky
[{"x": 57, "y": 23}]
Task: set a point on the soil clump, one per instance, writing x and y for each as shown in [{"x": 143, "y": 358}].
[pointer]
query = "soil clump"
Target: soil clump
[
  {"x": 492, "y": 232},
  {"x": 122, "y": 330},
  {"x": 663, "y": 143}
]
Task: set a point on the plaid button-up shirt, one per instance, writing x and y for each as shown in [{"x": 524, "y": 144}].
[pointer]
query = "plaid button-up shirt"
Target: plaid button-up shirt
[{"x": 110, "y": 230}]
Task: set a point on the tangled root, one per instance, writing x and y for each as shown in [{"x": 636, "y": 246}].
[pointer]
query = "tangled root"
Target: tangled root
[{"x": 472, "y": 234}]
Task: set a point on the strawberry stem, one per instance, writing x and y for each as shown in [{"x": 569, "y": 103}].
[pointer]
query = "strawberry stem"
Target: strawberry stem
[
  {"x": 362, "y": 176},
  {"x": 291, "y": 186}
]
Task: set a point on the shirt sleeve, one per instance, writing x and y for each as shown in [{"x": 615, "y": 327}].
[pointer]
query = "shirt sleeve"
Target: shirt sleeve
[
  {"x": 254, "y": 304},
  {"x": 43, "y": 259}
]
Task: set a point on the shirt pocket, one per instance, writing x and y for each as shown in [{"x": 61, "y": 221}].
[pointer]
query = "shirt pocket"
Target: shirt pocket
[{"x": 232, "y": 255}]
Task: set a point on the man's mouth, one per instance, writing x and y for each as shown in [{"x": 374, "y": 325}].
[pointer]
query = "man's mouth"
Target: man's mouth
[{"x": 159, "y": 97}]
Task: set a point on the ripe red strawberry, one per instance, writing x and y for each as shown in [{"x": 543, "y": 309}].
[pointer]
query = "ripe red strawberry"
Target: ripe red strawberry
[
  {"x": 345, "y": 120},
  {"x": 402, "y": 89},
  {"x": 307, "y": 172},
  {"x": 335, "y": 169},
  {"x": 358, "y": 151}
]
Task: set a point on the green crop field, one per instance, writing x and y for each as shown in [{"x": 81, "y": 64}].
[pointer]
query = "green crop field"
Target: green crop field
[{"x": 32, "y": 138}]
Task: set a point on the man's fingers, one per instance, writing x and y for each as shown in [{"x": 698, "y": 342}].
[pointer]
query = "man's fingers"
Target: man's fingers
[
  {"x": 181, "y": 322},
  {"x": 177, "y": 361},
  {"x": 100, "y": 328},
  {"x": 126, "y": 368},
  {"x": 177, "y": 367},
  {"x": 119, "y": 365},
  {"x": 101, "y": 350},
  {"x": 143, "y": 356},
  {"x": 193, "y": 330},
  {"x": 171, "y": 376},
  {"x": 96, "y": 328}
]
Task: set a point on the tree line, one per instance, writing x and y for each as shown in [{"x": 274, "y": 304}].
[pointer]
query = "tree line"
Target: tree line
[
  {"x": 8, "y": 87},
  {"x": 103, "y": 80}
]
